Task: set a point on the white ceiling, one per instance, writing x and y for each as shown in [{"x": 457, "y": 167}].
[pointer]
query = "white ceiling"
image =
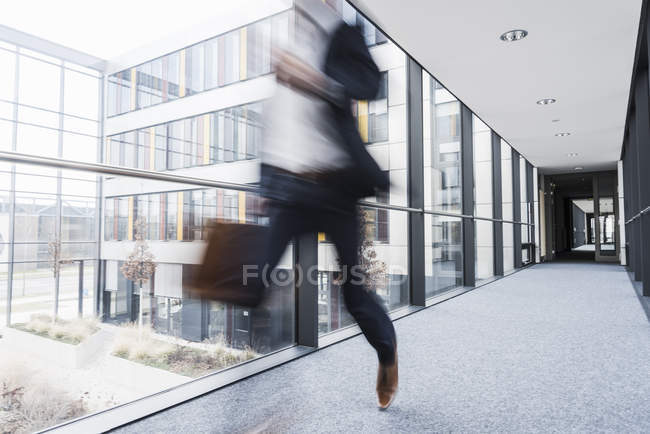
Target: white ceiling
[{"x": 579, "y": 52}]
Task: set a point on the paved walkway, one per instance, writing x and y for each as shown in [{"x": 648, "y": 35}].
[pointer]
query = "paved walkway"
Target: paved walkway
[{"x": 554, "y": 348}]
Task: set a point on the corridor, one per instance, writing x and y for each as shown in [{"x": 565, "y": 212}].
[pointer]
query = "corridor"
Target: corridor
[{"x": 556, "y": 347}]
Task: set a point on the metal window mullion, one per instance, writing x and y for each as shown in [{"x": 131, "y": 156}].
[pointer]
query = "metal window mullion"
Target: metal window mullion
[
  {"x": 497, "y": 206},
  {"x": 12, "y": 203},
  {"x": 596, "y": 195},
  {"x": 641, "y": 135},
  {"x": 99, "y": 236},
  {"x": 643, "y": 180},
  {"x": 633, "y": 191},
  {"x": 417, "y": 283},
  {"x": 530, "y": 205},
  {"x": 59, "y": 185},
  {"x": 306, "y": 289},
  {"x": 516, "y": 208},
  {"x": 467, "y": 158}
]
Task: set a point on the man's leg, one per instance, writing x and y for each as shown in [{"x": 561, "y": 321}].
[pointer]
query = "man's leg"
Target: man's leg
[
  {"x": 362, "y": 304},
  {"x": 285, "y": 223}
]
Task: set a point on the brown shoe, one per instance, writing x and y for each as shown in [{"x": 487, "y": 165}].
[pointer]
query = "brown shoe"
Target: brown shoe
[{"x": 386, "y": 384}]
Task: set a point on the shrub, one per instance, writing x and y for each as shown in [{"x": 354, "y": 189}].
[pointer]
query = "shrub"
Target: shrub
[
  {"x": 141, "y": 345},
  {"x": 69, "y": 331},
  {"x": 28, "y": 404}
]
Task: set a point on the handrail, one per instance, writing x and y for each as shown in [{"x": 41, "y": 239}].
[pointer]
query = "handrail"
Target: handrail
[
  {"x": 19, "y": 158},
  {"x": 638, "y": 215},
  {"x": 105, "y": 169}
]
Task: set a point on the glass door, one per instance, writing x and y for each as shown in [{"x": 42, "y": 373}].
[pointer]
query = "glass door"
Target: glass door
[{"x": 605, "y": 219}]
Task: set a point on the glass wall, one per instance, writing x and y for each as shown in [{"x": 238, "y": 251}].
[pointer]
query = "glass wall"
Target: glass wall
[
  {"x": 443, "y": 253},
  {"x": 48, "y": 230},
  {"x": 507, "y": 207},
  {"x": 72, "y": 243},
  {"x": 484, "y": 229},
  {"x": 382, "y": 126},
  {"x": 525, "y": 201},
  {"x": 166, "y": 307},
  {"x": 442, "y": 148},
  {"x": 442, "y": 187},
  {"x": 50, "y": 108}
]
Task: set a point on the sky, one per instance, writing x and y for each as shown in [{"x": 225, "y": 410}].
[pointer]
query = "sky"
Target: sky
[{"x": 109, "y": 28}]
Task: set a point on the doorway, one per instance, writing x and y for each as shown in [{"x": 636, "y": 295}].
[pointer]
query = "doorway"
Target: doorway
[{"x": 581, "y": 217}]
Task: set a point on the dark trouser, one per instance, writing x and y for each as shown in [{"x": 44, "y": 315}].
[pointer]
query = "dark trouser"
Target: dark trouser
[{"x": 288, "y": 222}]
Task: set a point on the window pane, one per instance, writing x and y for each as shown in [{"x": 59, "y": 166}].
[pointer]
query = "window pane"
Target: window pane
[
  {"x": 194, "y": 69},
  {"x": 81, "y": 94},
  {"x": 33, "y": 283},
  {"x": 508, "y": 213},
  {"x": 37, "y": 140},
  {"x": 506, "y": 181},
  {"x": 6, "y": 134},
  {"x": 482, "y": 141},
  {"x": 83, "y": 126},
  {"x": 508, "y": 247},
  {"x": 443, "y": 242},
  {"x": 171, "y": 66},
  {"x": 78, "y": 219},
  {"x": 144, "y": 85},
  {"x": 39, "y": 83},
  {"x": 383, "y": 260},
  {"x": 79, "y": 147},
  {"x": 442, "y": 148},
  {"x": 484, "y": 248},
  {"x": 211, "y": 63},
  {"x": 39, "y": 117},
  {"x": 229, "y": 56},
  {"x": 8, "y": 74},
  {"x": 35, "y": 217},
  {"x": 484, "y": 242}
]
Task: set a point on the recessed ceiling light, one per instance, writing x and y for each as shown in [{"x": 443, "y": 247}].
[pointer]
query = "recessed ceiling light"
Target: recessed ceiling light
[
  {"x": 577, "y": 168},
  {"x": 546, "y": 101},
  {"x": 562, "y": 134},
  {"x": 572, "y": 154},
  {"x": 513, "y": 35}
]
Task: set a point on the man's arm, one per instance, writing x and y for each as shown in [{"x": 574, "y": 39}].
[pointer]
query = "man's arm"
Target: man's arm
[
  {"x": 350, "y": 71},
  {"x": 349, "y": 63}
]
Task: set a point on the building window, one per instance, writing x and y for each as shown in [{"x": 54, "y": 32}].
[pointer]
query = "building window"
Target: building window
[
  {"x": 172, "y": 215},
  {"x": 109, "y": 218},
  {"x": 372, "y": 116},
  {"x": 238, "y": 55},
  {"x": 376, "y": 220}
]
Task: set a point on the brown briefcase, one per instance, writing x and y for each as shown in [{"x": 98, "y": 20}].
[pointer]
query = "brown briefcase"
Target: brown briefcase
[{"x": 233, "y": 251}]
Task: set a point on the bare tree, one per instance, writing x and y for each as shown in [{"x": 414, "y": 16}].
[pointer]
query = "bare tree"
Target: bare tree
[
  {"x": 372, "y": 269},
  {"x": 54, "y": 252},
  {"x": 140, "y": 265}
]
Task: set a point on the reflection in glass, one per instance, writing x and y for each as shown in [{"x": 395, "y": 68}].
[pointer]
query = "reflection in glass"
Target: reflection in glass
[
  {"x": 442, "y": 148},
  {"x": 525, "y": 204},
  {"x": 443, "y": 243},
  {"x": 607, "y": 222},
  {"x": 484, "y": 242},
  {"x": 507, "y": 207}
]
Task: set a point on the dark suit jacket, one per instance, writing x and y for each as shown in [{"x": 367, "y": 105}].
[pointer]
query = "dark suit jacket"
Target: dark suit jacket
[
  {"x": 356, "y": 76},
  {"x": 349, "y": 62}
]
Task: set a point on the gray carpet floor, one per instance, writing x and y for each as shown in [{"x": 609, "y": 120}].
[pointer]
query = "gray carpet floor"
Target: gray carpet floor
[{"x": 553, "y": 348}]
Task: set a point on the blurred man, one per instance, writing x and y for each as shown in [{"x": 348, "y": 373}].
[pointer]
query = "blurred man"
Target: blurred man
[{"x": 315, "y": 166}]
